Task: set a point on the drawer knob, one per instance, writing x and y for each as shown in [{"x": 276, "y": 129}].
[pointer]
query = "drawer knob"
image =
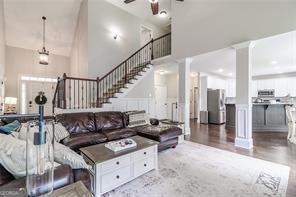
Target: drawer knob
[
  {"x": 145, "y": 164},
  {"x": 145, "y": 153},
  {"x": 117, "y": 177},
  {"x": 117, "y": 163}
]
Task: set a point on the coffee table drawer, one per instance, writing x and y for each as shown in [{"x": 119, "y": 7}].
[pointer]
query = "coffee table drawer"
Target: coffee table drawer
[
  {"x": 115, "y": 178},
  {"x": 144, "y": 153},
  {"x": 116, "y": 163},
  {"x": 143, "y": 166}
]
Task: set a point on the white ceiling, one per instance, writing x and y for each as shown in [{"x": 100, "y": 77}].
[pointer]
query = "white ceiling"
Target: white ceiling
[
  {"x": 280, "y": 48},
  {"x": 23, "y": 24},
  {"x": 142, "y": 9}
]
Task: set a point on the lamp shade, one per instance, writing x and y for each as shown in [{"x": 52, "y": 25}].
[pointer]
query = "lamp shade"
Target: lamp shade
[{"x": 43, "y": 57}]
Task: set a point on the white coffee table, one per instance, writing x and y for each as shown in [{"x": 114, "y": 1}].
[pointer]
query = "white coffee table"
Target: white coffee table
[{"x": 110, "y": 170}]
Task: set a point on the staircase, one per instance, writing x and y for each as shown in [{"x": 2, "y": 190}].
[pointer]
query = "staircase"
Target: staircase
[{"x": 83, "y": 93}]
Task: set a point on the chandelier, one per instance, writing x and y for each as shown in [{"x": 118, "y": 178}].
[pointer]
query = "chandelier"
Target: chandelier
[{"x": 43, "y": 53}]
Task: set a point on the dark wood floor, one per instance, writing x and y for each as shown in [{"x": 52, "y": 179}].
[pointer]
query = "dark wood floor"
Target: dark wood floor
[{"x": 269, "y": 146}]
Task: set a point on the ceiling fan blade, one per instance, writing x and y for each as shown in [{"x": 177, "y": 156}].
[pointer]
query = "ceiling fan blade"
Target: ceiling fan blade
[
  {"x": 154, "y": 8},
  {"x": 128, "y": 1}
]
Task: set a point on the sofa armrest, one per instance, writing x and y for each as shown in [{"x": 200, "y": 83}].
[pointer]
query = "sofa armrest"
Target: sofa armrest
[
  {"x": 63, "y": 175},
  {"x": 83, "y": 176}
]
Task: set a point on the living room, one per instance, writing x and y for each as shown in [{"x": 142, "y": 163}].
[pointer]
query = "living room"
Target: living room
[{"x": 109, "y": 98}]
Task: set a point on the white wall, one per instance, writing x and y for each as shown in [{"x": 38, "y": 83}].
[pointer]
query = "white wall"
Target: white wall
[
  {"x": 172, "y": 84},
  {"x": 143, "y": 88},
  {"x": 105, "y": 53},
  {"x": 215, "y": 82},
  {"x": 211, "y": 25},
  {"x": 203, "y": 93},
  {"x": 2, "y": 41},
  {"x": 79, "y": 52},
  {"x": 23, "y": 61}
]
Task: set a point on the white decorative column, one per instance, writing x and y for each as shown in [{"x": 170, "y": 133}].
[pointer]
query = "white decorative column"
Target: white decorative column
[
  {"x": 184, "y": 93},
  {"x": 243, "y": 105}
]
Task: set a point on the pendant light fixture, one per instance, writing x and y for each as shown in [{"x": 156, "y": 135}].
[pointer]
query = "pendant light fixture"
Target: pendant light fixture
[{"x": 43, "y": 54}]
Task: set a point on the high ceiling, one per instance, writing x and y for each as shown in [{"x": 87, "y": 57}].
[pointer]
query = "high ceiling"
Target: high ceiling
[
  {"x": 141, "y": 9},
  {"x": 273, "y": 55},
  {"x": 23, "y": 24}
]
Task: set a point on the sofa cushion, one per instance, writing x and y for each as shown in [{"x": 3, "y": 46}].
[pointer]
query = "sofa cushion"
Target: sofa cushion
[
  {"x": 77, "y": 122},
  {"x": 109, "y": 120},
  {"x": 79, "y": 140},
  {"x": 159, "y": 133},
  {"x": 119, "y": 133}
]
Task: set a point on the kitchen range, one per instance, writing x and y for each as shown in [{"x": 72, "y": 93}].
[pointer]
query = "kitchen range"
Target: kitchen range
[{"x": 268, "y": 112}]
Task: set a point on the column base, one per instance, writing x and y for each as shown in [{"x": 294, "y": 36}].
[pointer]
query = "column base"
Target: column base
[
  {"x": 244, "y": 143},
  {"x": 187, "y": 131}
]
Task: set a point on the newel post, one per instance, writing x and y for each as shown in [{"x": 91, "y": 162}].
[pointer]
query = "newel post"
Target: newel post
[
  {"x": 64, "y": 96},
  {"x": 98, "y": 92}
]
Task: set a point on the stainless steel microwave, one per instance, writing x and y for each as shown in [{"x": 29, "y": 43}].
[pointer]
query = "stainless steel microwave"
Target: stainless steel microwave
[{"x": 266, "y": 93}]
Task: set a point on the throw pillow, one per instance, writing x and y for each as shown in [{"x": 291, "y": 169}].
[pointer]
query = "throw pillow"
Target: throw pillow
[
  {"x": 10, "y": 127},
  {"x": 137, "y": 118},
  {"x": 13, "y": 156},
  {"x": 64, "y": 155},
  {"x": 60, "y": 132}
]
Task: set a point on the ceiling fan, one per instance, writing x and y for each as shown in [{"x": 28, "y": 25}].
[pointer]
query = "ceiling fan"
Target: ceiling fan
[{"x": 154, "y": 5}]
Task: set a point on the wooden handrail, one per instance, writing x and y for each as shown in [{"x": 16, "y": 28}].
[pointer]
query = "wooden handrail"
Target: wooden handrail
[{"x": 81, "y": 79}]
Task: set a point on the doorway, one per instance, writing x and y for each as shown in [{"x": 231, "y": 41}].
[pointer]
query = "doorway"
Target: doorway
[
  {"x": 161, "y": 102},
  {"x": 30, "y": 87},
  {"x": 146, "y": 34}
]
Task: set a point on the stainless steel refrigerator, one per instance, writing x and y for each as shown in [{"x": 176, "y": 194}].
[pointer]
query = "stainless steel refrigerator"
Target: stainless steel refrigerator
[{"x": 216, "y": 106}]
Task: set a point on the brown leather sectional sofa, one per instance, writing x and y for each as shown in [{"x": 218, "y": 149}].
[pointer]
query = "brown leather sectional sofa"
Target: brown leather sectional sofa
[
  {"x": 89, "y": 129},
  {"x": 94, "y": 128}
]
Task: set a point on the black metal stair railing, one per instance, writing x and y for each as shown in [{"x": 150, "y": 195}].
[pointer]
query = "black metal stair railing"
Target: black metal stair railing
[{"x": 82, "y": 93}]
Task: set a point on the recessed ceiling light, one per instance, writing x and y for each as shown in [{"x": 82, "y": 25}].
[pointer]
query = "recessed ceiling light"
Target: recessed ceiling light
[
  {"x": 230, "y": 74},
  {"x": 274, "y": 62},
  {"x": 153, "y": 1},
  {"x": 163, "y": 13},
  {"x": 220, "y": 70}
]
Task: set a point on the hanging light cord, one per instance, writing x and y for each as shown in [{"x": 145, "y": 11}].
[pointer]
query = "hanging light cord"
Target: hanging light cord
[{"x": 44, "y": 18}]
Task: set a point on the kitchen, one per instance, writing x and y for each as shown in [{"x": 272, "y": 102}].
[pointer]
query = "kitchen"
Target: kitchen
[{"x": 273, "y": 84}]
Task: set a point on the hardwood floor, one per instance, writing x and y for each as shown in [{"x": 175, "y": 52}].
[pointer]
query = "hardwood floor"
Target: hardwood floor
[{"x": 269, "y": 146}]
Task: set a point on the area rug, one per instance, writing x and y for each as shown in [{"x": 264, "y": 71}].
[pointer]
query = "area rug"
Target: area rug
[{"x": 195, "y": 170}]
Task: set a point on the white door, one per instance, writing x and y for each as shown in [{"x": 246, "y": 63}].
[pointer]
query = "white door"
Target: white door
[
  {"x": 32, "y": 90},
  {"x": 146, "y": 35},
  {"x": 161, "y": 102}
]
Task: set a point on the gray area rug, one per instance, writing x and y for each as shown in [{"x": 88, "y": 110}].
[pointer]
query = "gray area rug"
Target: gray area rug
[{"x": 195, "y": 170}]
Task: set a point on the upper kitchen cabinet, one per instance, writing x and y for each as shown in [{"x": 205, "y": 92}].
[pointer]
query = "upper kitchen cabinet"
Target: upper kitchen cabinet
[
  {"x": 281, "y": 87},
  {"x": 291, "y": 86}
]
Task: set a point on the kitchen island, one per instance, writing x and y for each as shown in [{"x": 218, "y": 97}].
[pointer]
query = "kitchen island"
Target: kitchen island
[{"x": 265, "y": 116}]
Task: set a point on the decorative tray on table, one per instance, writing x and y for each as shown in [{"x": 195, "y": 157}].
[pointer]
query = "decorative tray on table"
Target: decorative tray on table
[{"x": 121, "y": 145}]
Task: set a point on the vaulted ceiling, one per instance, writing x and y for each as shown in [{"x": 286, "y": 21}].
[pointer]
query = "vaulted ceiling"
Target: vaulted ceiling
[{"x": 23, "y": 24}]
